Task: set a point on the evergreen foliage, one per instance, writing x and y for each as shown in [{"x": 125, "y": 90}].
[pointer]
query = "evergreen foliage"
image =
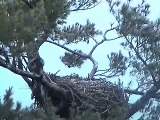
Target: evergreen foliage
[
  {"x": 9, "y": 112},
  {"x": 26, "y": 25}
]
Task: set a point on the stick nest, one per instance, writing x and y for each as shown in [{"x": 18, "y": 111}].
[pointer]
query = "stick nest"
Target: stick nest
[{"x": 103, "y": 95}]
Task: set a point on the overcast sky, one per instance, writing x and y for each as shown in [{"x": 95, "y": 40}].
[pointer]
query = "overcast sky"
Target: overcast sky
[{"x": 50, "y": 53}]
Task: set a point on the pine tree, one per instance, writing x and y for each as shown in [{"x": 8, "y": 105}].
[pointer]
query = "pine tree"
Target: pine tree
[{"x": 25, "y": 25}]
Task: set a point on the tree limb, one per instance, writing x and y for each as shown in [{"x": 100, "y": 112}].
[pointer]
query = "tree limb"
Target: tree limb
[
  {"x": 94, "y": 69},
  {"x": 18, "y": 71},
  {"x": 67, "y": 49},
  {"x": 136, "y": 92},
  {"x": 52, "y": 86},
  {"x": 89, "y": 56},
  {"x": 94, "y": 47},
  {"x": 140, "y": 104}
]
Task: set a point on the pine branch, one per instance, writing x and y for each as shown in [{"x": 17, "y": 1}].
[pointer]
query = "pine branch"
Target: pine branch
[{"x": 141, "y": 59}]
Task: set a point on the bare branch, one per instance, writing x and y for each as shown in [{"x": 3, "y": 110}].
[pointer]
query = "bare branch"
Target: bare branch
[
  {"x": 105, "y": 33},
  {"x": 94, "y": 69},
  {"x": 105, "y": 39},
  {"x": 140, "y": 85},
  {"x": 94, "y": 39},
  {"x": 112, "y": 28},
  {"x": 72, "y": 51},
  {"x": 112, "y": 39},
  {"x": 94, "y": 47},
  {"x": 103, "y": 73}
]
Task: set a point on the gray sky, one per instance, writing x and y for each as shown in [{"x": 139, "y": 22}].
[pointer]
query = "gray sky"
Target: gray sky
[{"x": 50, "y": 53}]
